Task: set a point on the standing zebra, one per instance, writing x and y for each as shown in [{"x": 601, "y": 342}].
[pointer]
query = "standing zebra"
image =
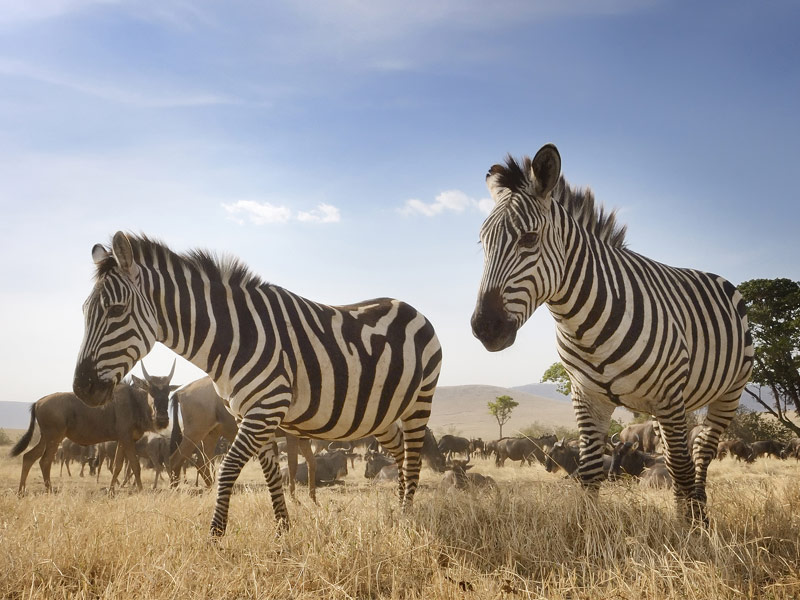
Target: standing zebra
[
  {"x": 630, "y": 331},
  {"x": 331, "y": 372}
]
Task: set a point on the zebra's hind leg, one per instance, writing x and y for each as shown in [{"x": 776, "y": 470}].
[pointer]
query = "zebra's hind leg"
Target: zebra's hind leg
[
  {"x": 719, "y": 415},
  {"x": 413, "y": 440},
  {"x": 593, "y": 416},
  {"x": 255, "y": 432},
  {"x": 272, "y": 474},
  {"x": 392, "y": 442},
  {"x": 679, "y": 461}
]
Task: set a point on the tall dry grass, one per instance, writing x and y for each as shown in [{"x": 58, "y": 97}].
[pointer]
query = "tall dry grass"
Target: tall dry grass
[{"x": 537, "y": 536}]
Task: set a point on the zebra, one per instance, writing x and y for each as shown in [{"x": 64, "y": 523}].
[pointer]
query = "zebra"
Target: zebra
[
  {"x": 330, "y": 372},
  {"x": 630, "y": 331}
]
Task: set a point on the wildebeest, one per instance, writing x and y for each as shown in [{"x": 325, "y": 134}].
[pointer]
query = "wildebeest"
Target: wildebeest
[
  {"x": 738, "y": 448},
  {"x": 452, "y": 444},
  {"x": 70, "y": 451},
  {"x": 692, "y": 436},
  {"x": 206, "y": 418},
  {"x": 388, "y": 473},
  {"x": 767, "y": 447},
  {"x": 524, "y": 449},
  {"x": 477, "y": 447},
  {"x": 656, "y": 476},
  {"x": 791, "y": 448},
  {"x": 628, "y": 458},
  {"x": 375, "y": 461},
  {"x": 565, "y": 456},
  {"x": 125, "y": 419},
  {"x": 155, "y": 448},
  {"x": 330, "y": 466},
  {"x": 457, "y": 477},
  {"x": 645, "y": 433}
]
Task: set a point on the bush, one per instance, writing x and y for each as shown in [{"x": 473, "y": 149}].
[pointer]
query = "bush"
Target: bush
[
  {"x": 5, "y": 439},
  {"x": 751, "y": 426},
  {"x": 537, "y": 430}
]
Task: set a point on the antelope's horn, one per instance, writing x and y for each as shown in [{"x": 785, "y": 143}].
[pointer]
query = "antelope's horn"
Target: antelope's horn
[
  {"x": 146, "y": 374},
  {"x": 172, "y": 371}
]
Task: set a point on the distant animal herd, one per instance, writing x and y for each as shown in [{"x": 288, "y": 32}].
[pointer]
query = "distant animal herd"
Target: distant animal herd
[{"x": 630, "y": 332}]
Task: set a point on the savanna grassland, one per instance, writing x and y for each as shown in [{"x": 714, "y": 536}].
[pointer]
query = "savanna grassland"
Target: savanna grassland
[{"x": 536, "y": 536}]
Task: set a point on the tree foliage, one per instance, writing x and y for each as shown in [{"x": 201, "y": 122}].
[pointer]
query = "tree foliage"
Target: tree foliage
[
  {"x": 5, "y": 439},
  {"x": 501, "y": 409},
  {"x": 751, "y": 426},
  {"x": 773, "y": 310},
  {"x": 558, "y": 375}
]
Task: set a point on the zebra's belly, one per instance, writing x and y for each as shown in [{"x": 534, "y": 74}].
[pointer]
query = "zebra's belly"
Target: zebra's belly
[{"x": 349, "y": 416}]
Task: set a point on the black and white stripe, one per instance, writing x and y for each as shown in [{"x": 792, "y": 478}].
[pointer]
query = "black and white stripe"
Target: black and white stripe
[
  {"x": 331, "y": 372},
  {"x": 630, "y": 331}
]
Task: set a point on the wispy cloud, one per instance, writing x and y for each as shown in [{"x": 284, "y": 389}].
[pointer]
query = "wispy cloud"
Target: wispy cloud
[
  {"x": 12, "y": 11},
  {"x": 450, "y": 201},
  {"x": 265, "y": 213},
  {"x": 143, "y": 98},
  {"x": 324, "y": 213}
]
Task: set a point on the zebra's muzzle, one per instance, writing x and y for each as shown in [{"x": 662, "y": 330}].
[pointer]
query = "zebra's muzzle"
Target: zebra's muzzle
[
  {"x": 88, "y": 387},
  {"x": 492, "y": 325}
]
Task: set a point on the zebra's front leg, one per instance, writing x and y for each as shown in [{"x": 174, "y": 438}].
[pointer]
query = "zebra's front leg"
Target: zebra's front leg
[
  {"x": 594, "y": 418},
  {"x": 272, "y": 474},
  {"x": 255, "y": 433}
]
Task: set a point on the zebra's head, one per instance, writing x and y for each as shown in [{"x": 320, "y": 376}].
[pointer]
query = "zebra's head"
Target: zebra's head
[
  {"x": 524, "y": 255},
  {"x": 120, "y": 324}
]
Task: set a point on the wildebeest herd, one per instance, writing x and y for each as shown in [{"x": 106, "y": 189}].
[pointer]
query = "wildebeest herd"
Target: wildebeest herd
[{"x": 630, "y": 332}]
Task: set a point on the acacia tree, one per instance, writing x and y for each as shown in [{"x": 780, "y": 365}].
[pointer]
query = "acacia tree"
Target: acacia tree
[
  {"x": 558, "y": 375},
  {"x": 501, "y": 409},
  {"x": 773, "y": 311}
]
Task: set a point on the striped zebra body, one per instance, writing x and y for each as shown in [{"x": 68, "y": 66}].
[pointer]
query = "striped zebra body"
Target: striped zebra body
[
  {"x": 630, "y": 331},
  {"x": 331, "y": 372}
]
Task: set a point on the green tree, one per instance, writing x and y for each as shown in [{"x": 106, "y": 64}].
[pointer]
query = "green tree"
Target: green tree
[
  {"x": 751, "y": 426},
  {"x": 558, "y": 375},
  {"x": 501, "y": 409},
  {"x": 773, "y": 310},
  {"x": 5, "y": 439}
]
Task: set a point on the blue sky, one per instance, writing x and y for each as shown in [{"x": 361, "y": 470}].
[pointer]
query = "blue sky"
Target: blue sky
[{"x": 340, "y": 148}]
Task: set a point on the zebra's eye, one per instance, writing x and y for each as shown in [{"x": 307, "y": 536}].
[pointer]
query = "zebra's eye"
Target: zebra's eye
[
  {"x": 116, "y": 310},
  {"x": 528, "y": 239}
]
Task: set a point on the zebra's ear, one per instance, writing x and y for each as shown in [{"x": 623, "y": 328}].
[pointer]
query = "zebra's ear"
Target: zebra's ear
[
  {"x": 497, "y": 191},
  {"x": 545, "y": 170},
  {"x": 123, "y": 253},
  {"x": 99, "y": 253}
]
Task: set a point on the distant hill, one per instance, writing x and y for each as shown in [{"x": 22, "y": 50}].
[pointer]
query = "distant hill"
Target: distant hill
[
  {"x": 463, "y": 409},
  {"x": 460, "y": 408},
  {"x": 545, "y": 390},
  {"x": 548, "y": 390},
  {"x": 14, "y": 415}
]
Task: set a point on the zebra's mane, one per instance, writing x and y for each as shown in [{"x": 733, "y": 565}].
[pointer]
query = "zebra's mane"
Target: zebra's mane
[
  {"x": 578, "y": 202},
  {"x": 224, "y": 269}
]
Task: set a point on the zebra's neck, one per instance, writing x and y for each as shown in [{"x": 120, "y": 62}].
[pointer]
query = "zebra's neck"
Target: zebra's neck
[
  {"x": 205, "y": 318},
  {"x": 588, "y": 287}
]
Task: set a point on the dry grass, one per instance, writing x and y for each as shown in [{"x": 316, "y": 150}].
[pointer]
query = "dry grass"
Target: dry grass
[{"x": 535, "y": 537}]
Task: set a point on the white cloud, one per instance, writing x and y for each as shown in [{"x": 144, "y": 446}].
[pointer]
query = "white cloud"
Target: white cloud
[
  {"x": 264, "y": 213},
  {"x": 258, "y": 213},
  {"x": 324, "y": 213},
  {"x": 453, "y": 201}
]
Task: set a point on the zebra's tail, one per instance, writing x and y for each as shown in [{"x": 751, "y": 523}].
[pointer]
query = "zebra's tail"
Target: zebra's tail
[
  {"x": 26, "y": 438},
  {"x": 176, "y": 437}
]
